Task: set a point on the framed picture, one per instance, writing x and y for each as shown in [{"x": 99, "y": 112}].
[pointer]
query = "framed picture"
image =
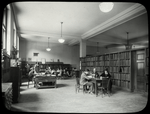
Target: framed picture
[{"x": 13, "y": 63}]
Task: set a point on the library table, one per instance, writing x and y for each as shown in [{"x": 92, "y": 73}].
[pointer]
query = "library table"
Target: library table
[
  {"x": 47, "y": 80},
  {"x": 96, "y": 81}
]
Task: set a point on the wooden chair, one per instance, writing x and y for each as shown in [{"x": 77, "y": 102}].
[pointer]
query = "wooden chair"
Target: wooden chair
[
  {"x": 79, "y": 87},
  {"x": 30, "y": 78},
  {"x": 105, "y": 86},
  {"x": 59, "y": 75}
]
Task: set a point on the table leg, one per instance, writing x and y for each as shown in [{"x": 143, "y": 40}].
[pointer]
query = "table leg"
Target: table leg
[{"x": 96, "y": 88}]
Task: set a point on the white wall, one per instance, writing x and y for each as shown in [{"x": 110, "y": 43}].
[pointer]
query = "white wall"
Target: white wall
[{"x": 65, "y": 53}]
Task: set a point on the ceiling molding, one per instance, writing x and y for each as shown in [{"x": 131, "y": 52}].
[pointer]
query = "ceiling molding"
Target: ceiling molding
[
  {"x": 128, "y": 14},
  {"x": 74, "y": 41},
  {"x": 43, "y": 34}
]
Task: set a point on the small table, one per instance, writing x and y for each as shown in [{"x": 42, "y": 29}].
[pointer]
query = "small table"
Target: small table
[
  {"x": 7, "y": 94},
  {"x": 96, "y": 81},
  {"x": 50, "y": 80}
]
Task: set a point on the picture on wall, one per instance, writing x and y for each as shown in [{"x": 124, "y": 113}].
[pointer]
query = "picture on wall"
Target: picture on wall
[{"x": 29, "y": 59}]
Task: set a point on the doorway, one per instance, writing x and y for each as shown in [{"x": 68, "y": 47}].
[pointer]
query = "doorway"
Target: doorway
[{"x": 140, "y": 71}]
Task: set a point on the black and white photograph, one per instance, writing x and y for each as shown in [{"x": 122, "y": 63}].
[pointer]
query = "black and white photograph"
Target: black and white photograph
[{"x": 74, "y": 57}]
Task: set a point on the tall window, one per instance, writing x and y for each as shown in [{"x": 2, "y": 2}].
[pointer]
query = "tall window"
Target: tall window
[
  {"x": 4, "y": 29},
  {"x": 8, "y": 29}
]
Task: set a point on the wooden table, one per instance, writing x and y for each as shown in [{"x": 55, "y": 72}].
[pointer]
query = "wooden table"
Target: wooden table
[
  {"x": 96, "y": 81},
  {"x": 49, "y": 80},
  {"x": 7, "y": 94}
]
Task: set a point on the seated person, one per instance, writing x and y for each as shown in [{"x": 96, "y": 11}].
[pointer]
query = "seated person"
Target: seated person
[
  {"x": 60, "y": 73},
  {"x": 36, "y": 68},
  {"x": 84, "y": 81},
  {"x": 53, "y": 71},
  {"x": 48, "y": 70},
  {"x": 67, "y": 72},
  {"x": 107, "y": 75},
  {"x": 31, "y": 73}
]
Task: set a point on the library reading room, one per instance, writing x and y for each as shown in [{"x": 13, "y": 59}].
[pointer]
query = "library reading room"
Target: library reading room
[{"x": 75, "y": 57}]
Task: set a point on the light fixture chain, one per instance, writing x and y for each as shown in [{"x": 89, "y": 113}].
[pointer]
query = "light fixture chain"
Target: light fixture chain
[{"x": 61, "y": 28}]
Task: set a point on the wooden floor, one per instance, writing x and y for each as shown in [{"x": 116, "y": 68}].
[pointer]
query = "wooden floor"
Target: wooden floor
[{"x": 64, "y": 99}]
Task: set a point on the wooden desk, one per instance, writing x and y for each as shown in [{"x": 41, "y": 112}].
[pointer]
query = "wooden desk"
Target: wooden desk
[
  {"x": 48, "y": 81},
  {"x": 7, "y": 94},
  {"x": 96, "y": 81}
]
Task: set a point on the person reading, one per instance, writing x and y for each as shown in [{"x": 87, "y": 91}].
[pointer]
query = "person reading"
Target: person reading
[
  {"x": 106, "y": 74},
  {"x": 84, "y": 81}
]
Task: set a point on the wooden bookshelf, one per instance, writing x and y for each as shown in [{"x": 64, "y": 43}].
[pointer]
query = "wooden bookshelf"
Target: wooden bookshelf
[
  {"x": 146, "y": 68},
  {"x": 119, "y": 66}
]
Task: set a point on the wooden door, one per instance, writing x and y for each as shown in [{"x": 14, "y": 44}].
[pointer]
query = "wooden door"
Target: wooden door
[{"x": 140, "y": 71}]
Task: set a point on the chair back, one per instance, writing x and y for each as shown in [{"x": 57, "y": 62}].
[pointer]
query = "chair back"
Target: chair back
[
  {"x": 78, "y": 81},
  {"x": 105, "y": 82}
]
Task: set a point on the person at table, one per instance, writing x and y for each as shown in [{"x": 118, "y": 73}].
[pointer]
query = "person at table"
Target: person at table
[
  {"x": 107, "y": 75},
  {"x": 59, "y": 74},
  {"x": 53, "y": 71},
  {"x": 36, "y": 68},
  {"x": 48, "y": 70},
  {"x": 27, "y": 68},
  {"x": 95, "y": 73},
  {"x": 84, "y": 81},
  {"x": 31, "y": 74}
]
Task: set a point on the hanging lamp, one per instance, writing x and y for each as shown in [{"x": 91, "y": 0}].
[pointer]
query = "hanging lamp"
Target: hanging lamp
[
  {"x": 61, "y": 40},
  {"x": 128, "y": 45},
  {"x": 48, "y": 49}
]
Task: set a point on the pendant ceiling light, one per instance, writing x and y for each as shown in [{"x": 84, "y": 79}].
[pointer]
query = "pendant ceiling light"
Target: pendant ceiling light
[
  {"x": 61, "y": 40},
  {"x": 106, "y": 6},
  {"x": 128, "y": 45},
  {"x": 48, "y": 49}
]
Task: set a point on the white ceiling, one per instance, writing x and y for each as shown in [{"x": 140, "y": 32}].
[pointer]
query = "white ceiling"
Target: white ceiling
[{"x": 81, "y": 20}]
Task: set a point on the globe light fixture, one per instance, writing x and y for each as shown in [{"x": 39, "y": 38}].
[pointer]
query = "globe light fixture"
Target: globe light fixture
[
  {"x": 61, "y": 40},
  {"x": 106, "y": 6}
]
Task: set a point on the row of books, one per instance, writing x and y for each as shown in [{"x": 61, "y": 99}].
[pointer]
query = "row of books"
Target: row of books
[
  {"x": 121, "y": 76},
  {"x": 124, "y": 55},
  {"x": 147, "y": 70},
  {"x": 125, "y": 69},
  {"x": 147, "y": 52},
  {"x": 106, "y": 63},
  {"x": 114, "y": 56},
  {"x": 106, "y": 57},
  {"x": 114, "y": 69},
  {"x": 125, "y": 84},
  {"x": 114, "y": 63},
  {"x": 147, "y": 61},
  {"x": 124, "y": 62},
  {"x": 91, "y": 63},
  {"x": 109, "y": 63}
]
